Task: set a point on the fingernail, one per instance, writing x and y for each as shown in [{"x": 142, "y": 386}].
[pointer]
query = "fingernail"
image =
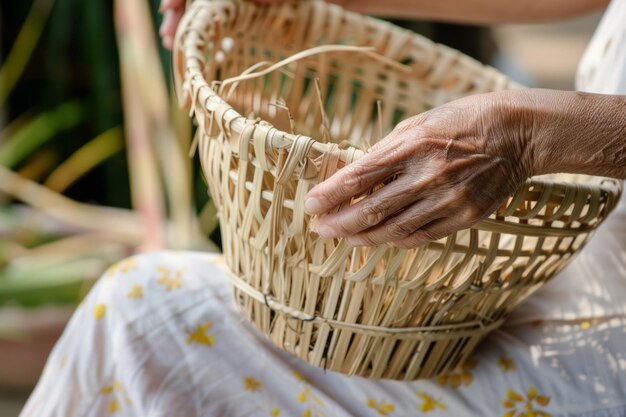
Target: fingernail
[
  {"x": 354, "y": 241},
  {"x": 312, "y": 205},
  {"x": 325, "y": 231}
]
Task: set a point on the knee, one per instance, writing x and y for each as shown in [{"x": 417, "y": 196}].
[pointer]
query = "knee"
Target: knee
[
  {"x": 145, "y": 281},
  {"x": 127, "y": 286}
]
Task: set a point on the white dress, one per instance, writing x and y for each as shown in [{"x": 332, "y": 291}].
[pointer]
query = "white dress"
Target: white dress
[{"x": 159, "y": 335}]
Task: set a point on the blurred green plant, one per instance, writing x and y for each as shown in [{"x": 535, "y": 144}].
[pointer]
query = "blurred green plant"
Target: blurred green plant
[{"x": 94, "y": 166}]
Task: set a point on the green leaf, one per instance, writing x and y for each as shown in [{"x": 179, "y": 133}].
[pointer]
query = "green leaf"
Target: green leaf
[
  {"x": 40, "y": 129},
  {"x": 61, "y": 282},
  {"x": 23, "y": 47},
  {"x": 86, "y": 158}
]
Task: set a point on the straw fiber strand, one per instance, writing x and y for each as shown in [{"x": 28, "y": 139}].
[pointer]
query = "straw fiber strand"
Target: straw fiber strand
[{"x": 286, "y": 95}]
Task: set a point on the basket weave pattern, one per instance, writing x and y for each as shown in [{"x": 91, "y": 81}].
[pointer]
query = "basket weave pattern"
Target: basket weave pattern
[{"x": 262, "y": 82}]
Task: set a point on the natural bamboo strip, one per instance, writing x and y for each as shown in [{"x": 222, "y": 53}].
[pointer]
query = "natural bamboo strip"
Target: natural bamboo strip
[
  {"x": 377, "y": 312},
  {"x": 85, "y": 216}
]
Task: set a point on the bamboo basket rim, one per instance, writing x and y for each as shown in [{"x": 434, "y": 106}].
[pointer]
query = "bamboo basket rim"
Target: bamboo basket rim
[{"x": 188, "y": 59}]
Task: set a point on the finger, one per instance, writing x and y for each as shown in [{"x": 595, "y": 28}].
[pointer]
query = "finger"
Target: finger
[
  {"x": 171, "y": 4},
  {"x": 349, "y": 182},
  {"x": 168, "y": 42},
  {"x": 370, "y": 211},
  {"x": 169, "y": 23},
  {"x": 385, "y": 158},
  {"x": 435, "y": 230},
  {"x": 401, "y": 226}
]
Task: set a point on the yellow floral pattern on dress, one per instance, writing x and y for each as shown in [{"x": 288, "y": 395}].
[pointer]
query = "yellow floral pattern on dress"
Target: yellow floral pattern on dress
[
  {"x": 461, "y": 376},
  {"x": 429, "y": 403},
  {"x": 200, "y": 336},
  {"x": 136, "y": 292},
  {"x": 516, "y": 405},
  {"x": 314, "y": 405},
  {"x": 507, "y": 364},
  {"x": 252, "y": 384},
  {"x": 169, "y": 279},
  {"x": 121, "y": 267},
  {"x": 99, "y": 311},
  {"x": 382, "y": 408},
  {"x": 115, "y": 406},
  {"x": 117, "y": 391}
]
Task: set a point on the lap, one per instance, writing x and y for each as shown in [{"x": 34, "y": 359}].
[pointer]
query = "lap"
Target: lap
[{"x": 160, "y": 335}]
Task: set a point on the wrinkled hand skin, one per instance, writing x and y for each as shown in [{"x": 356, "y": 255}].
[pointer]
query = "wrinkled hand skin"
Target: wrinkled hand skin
[{"x": 453, "y": 166}]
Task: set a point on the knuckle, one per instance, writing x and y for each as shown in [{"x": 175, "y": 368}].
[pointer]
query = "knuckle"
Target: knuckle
[
  {"x": 368, "y": 240},
  {"x": 399, "y": 230},
  {"x": 370, "y": 215},
  {"x": 468, "y": 211},
  {"x": 342, "y": 229},
  {"x": 353, "y": 179},
  {"x": 473, "y": 214},
  {"x": 462, "y": 202},
  {"x": 459, "y": 196},
  {"x": 429, "y": 235},
  {"x": 405, "y": 125}
]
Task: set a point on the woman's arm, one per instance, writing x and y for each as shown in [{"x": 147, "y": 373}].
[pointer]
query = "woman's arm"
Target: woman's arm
[
  {"x": 579, "y": 133},
  {"x": 474, "y": 11},
  {"x": 460, "y": 11},
  {"x": 455, "y": 164}
]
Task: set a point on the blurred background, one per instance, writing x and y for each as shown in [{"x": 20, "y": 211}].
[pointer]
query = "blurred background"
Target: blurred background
[{"x": 94, "y": 161}]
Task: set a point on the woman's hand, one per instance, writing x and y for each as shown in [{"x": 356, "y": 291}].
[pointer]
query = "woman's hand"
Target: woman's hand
[
  {"x": 453, "y": 166},
  {"x": 172, "y": 12}
]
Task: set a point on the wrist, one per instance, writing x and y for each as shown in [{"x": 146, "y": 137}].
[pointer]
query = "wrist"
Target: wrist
[
  {"x": 525, "y": 106},
  {"x": 510, "y": 126},
  {"x": 578, "y": 132},
  {"x": 566, "y": 123},
  {"x": 548, "y": 111},
  {"x": 551, "y": 114}
]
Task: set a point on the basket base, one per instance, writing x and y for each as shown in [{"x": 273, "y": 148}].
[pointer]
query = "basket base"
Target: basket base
[{"x": 355, "y": 352}]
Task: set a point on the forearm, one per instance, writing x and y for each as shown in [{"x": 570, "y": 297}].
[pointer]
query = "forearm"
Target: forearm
[
  {"x": 578, "y": 133},
  {"x": 475, "y": 11}
]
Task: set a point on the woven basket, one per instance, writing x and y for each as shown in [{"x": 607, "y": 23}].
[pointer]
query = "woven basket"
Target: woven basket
[{"x": 263, "y": 82}]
